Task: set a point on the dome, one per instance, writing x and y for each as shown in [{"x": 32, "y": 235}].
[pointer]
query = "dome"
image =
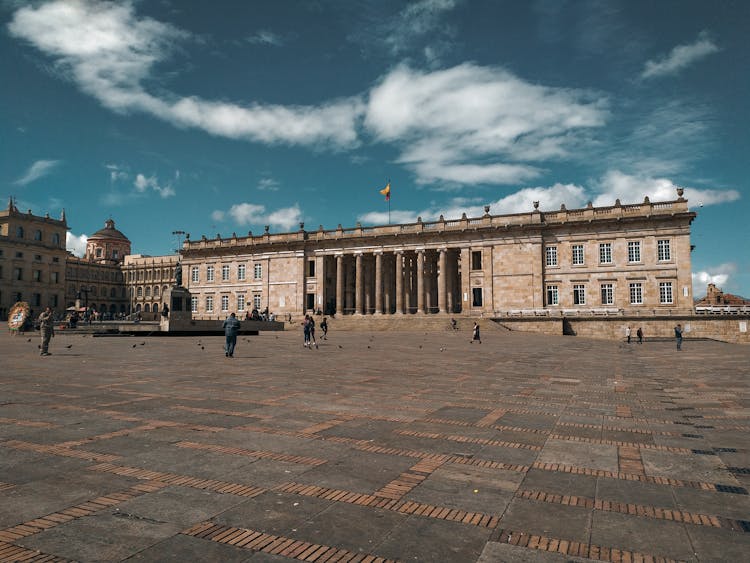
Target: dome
[{"x": 109, "y": 232}]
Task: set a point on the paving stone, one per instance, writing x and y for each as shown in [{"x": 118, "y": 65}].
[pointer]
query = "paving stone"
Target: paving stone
[
  {"x": 556, "y": 482},
  {"x": 551, "y": 520},
  {"x": 645, "y": 535},
  {"x": 495, "y": 552},
  {"x": 592, "y": 456},
  {"x": 707, "y": 468},
  {"x": 635, "y": 492},
  {"x": 719, "y": 546},
  {"x": 181, "y": 548}
]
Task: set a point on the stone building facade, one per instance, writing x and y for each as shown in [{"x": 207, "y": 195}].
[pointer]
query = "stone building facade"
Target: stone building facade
[
  {"x": 603, "y": 260},
  {"x": 32, "y": 259},
  {"x": 147, "y": 278}
]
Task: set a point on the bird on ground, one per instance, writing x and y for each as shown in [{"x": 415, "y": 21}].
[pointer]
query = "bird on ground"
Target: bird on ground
[
  {"x": 133, "y": 345},
  {"x": 29, "y": 340},
  {"x": 69, "y": 346},
  {"x": 143, "y": 343}
]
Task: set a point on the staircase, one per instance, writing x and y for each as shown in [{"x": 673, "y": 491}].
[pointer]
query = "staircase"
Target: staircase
[{"x": 400, "y": 323}]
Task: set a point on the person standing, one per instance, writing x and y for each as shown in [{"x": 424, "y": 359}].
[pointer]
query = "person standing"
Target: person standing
[
  {"x": 475, "y": 334},
  {"x": 627, "y": 334},
  {"x": 324, "y": 328},
  {"x": 231, "y": 329},
  {"x": 312, "y": 333},
  {"x": 47, "y": 330},
  {"x": 678, "y": 336},
  {"x": 639, "y": 334}
]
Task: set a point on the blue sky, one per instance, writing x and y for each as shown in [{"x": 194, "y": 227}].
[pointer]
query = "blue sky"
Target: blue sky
[{"x": 221, "y": 117}]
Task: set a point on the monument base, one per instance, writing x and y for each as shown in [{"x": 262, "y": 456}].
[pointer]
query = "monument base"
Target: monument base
[{"x": 180, "y": 310}]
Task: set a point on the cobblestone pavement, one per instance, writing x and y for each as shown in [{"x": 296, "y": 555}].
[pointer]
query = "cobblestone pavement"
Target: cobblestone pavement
[{"x": 392, "y": 446}]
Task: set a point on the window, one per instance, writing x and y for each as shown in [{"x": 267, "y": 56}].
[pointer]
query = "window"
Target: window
[
  {"x": 19, "y": 254},
  {"x": 224, "y": 303},
  {"x": 476, "y": 294},
  {"x": 37, "y": 257},
  {"x": 98, "y": 252},
  {"x": 37, "y": 235},
  {"x": 19, "y": 232},
  {"x": 194, "y": 304},
  {"x": 56, "y": 239},
  {"x": 36, "y": 299},
  {"x": 636, "y": 293},
  {"x": 139, "y": 291},
  {"x": 240, "y": 302},
  {"x": 552, "y": 295},
  {"x": 194, "y": 274},
  {"x": 37, "y": 275},
  {"x": 156, "y": 291},
  {"x": 577, "y": 254},
  {"x": 258, "y": 271},
  {"x": 608, "y": 294},
  {"x": 311, "y": 268},
  {"x": 579, "y": 294},
  {"x": 665, "y": 293},
  {"x": 241, "y": 272},
  {"x": 54, "y": 277},
  {"x": 476, "y": 260},
  {"x": 664, "y": 253},
  {"x": 148, "y": 291},
  {"x": 256, "y": 301},
  {"x": 634, "y": 251},
  {"x": 225, "y": 272},
  {"x": 53, "y": 302},
  {"x": 605, "y": 253},
  {"x": 115, "y": 255},
  {"x": 209, "y": 273},
  {"x": 209, "y": 303},
  {"x": 551, "y": 255},
  {"x": 55, "y": 259}
]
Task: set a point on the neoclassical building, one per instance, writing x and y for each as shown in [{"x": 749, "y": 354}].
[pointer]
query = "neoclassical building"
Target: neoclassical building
[{"x": 595, "y": 260}]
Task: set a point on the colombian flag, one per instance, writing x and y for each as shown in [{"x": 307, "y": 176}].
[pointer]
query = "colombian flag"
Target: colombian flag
[{"x": 386, "y": 191}]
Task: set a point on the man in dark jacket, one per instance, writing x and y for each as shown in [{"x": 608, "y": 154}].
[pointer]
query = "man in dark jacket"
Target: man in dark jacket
[{"x": 231, "y": 329}]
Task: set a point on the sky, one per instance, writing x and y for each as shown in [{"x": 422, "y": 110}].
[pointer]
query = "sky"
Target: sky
[{"x": 226, "y": 116}]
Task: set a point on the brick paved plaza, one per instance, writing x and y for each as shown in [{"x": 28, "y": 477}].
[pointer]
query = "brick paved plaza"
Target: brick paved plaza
[{"x": 391, "y": 446}]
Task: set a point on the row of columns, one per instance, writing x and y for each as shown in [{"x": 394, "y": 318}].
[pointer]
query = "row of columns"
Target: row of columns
[{"x": 410, "y": 275}]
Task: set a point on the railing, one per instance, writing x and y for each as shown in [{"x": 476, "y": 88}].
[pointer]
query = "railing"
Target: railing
[{"x": 492, "y": 221}]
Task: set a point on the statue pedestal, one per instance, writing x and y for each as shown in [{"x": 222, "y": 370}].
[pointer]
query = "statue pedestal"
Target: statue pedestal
[{"x": 180, "y": 310}]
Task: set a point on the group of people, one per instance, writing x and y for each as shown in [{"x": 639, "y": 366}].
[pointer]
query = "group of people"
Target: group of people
[
  {"x": 638, "y": 333},
  {"x": 308, "y": 330}
]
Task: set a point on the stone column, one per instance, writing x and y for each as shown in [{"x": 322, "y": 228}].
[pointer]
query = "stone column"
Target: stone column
[
  {"x": 378, "y": 283},
  {"x": 442, "y": 280},
  {"x": 340, "y": 284},
  {"x": 420, "y": 281},
  {"x": 399, "y": 283},
  {"x": 359, "y": 301}
]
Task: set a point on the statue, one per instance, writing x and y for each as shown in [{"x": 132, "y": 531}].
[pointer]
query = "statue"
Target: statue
[{"x": 178, "y": 274}]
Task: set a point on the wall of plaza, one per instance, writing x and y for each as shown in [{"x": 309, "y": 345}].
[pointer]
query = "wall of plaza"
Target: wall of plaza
[{"x": 612, "y": 260}]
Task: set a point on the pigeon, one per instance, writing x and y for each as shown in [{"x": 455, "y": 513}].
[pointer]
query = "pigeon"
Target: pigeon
[
  {"x": 420, "y": 346},
  {"x": 69, "y": 346},
  {"x": 202, "y": 348},
  {"x": 368, "y": 347},
  {"x": 133, "y": 345},
  {"x": 29, "y": 340},
  {"x": 340, "y": 346},
  {"x": 143, "y": 343}
]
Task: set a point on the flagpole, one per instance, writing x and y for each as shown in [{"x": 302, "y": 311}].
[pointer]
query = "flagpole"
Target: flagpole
[{"x": 389, "y": 202}]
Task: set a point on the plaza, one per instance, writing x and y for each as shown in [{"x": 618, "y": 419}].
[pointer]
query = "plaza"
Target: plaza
[{"x": 378, "y": 446}]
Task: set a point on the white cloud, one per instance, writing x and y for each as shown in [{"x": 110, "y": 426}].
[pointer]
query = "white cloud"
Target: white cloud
[
  {"x": 718, "y": 275},
  {"x": 268, "y": 185},
  {"x": 37, "y": 170},
  {"x": 109, "y": 52},
  {"x": 680, "y": 57},
  {"x": 116, "y": 173},
  {"x": 143, "y": 183},
  {"x": 76, "y": 244},
  {"x": 287, "y": 218},
  {"x": 416, "y": 20},
  {"x": 471, "y": 124},
  {"x": 265, "y": 37},
  {"x": 633, "y": 189}
]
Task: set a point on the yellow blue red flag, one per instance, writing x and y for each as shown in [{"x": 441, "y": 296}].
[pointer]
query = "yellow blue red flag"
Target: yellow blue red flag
[{"x": 386, "y": 191}]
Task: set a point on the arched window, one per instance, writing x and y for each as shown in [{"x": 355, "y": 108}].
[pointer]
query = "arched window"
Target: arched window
[
  {"x": 148, "y": 291},
  {"x": 138, "y": 308},
  {"x": 113, "y": 292},
  {"x": 156, "y": 291},
  {"x": 139, "y": 291},
  {"x": 146, "y": 308},
  {"x": 37, "y": 235},
  {"x": 19, "y": 232},
  {"x": 104, "y": 292},
  {"x": 56, "y": 239}
]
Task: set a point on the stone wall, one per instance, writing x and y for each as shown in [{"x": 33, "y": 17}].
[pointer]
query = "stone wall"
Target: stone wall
[{"x": 719, "y": 327}]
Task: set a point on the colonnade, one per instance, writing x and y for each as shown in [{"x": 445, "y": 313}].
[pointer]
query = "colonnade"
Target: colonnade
[{"x": 398, "y": 282}]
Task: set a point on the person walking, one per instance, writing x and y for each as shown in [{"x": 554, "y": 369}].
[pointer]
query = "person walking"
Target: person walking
[
  {"x": 678, "y": 336},
  {"x": 231, "y": 329},
  {"x": 46, "y": 329},
  {"x": 627, "y": 334},
  {"x": 306, "y": 330},
  {"x": 324, "y": 328},
  {"x": 475, "y": 334},
  {"x": 639, "y": 334},
  {"x": 312, "y": 333}
]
